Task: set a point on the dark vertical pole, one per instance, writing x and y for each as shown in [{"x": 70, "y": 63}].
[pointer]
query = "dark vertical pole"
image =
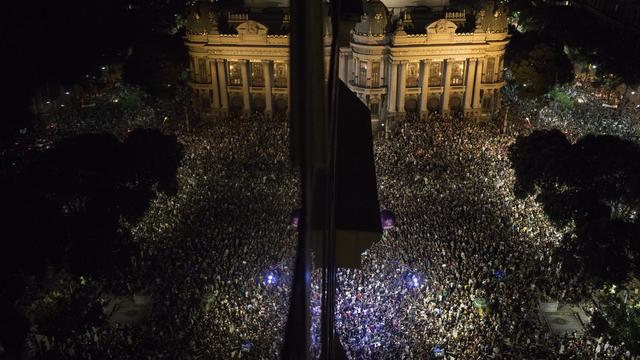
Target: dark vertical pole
[
  {"x": 308, "y": 134},
  {"x": 329, "y": 268}
]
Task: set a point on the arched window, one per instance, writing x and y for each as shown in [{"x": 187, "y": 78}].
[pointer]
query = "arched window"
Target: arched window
[
  {"x": 435, "y": 74},
  {"x": 433, "y": 104},
  {"x": 412, "y": 75},
  {"x": 375, "y": 108},
  {"x": 375, "y": 74},
  {"x": 488, "y": 73},
  {"x": 257, "y": 75},
  {"x": 455, "y": 104},
  {"x": 202, "y": 69},
  {"x": 280, "y": 78},
  {"x": 235, "y": 75},
  {"x": 457, "y": 73},
  {"x": 362, "y": 75}
]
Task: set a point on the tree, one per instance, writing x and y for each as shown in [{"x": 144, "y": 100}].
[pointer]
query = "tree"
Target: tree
[
  {"x": 65, "y": 209},
  {"x": 617, "y": 320},
  {"x": 589, "y": 38},
  {"x": 155, "y": 65},
  {"x": 64, "y": 214},
  {"x": 537, "y": 64},
  {"x": 591, "y": 192}
]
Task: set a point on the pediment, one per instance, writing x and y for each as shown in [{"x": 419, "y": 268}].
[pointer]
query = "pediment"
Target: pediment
[
  {"x": 251, "y": 28},
  {"x": 442, "y": 26}
]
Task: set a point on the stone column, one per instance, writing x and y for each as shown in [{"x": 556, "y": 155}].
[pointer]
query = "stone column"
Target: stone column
[
  {"x": 266, "y": 71},
  {"x": 402, "y": 87},
  {"x": 215, "y": 104},
  {"x": 447, "y": 86},
  {"x": 468, "y": 93},
  {"x": 478, "y": 85},
  {"x": 342, "y": 65},
  {"x": 424, "y": 86},
  {"x": 244, "y": 64},
  {"x": 222, "y": 81},
  {"x": 356, "y": 75},
  {"x": 196, "y": 69},
  {"x": 383, "y": 68},
  {"x": 392, "y": 82}
]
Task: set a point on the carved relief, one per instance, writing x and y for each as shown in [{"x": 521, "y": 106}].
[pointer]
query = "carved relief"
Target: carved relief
[
  {"x": 251, "y": 28},
  {"x": 442, "y": 26}
]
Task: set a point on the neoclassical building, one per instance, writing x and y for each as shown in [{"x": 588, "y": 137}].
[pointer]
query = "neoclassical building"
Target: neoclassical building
[{"x": 410, "y": 59}]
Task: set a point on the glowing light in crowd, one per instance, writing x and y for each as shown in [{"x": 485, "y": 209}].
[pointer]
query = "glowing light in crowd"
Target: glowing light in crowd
[
  {"x": 295, "y": 218},
  {"x": 414, "y": 281},
  {"x": 270, "y": 279},
  {"x": 387, "y": 219},
  {"x": 438, "y": 352}
]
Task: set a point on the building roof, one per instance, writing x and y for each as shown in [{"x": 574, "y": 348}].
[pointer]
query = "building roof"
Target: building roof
[
  {"x": 436, "y": 4},
  {"x": 375, "y": 20},
  {"x": 202, "y": 18},
  {"x": 266, "y": 3}
]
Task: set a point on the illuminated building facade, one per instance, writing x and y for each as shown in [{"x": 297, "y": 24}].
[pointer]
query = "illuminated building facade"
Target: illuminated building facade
[{"x": 410, "y": 59}]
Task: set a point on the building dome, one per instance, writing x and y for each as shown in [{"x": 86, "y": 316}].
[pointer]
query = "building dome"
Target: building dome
[
  {"x": 375, "y": 20},
  {"x": 202, "y": 18}
]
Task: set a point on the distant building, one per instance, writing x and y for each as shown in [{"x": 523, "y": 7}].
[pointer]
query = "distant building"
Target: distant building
[{"x": 417, "y": 60}]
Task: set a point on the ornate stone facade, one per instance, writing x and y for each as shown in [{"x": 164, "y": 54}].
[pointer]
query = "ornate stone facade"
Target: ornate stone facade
[{"x": 392, "y": 64}]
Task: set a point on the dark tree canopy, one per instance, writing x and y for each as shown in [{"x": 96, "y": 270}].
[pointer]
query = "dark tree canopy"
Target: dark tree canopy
[
  {"x": 618, "y": 321},
  {"x": 64, "y": 212},
  {"x": 591, "y": 191},
  {"x": 537, "y": 63},
  {"x": 589, "y": 38},
  {"x": 66, "y": 207}
]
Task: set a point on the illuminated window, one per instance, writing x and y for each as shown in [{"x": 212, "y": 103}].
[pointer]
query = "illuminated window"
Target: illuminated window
[
  {"x": 375, "y": 108},
  {"x": 457, "y": 73},
  {"x": 488, "y": 74},
  {"x": 280, "y": 78},
  {"x": 362, "y": 77},
  {"x": 435, "y": 74},
  {"x": 412, "y": 75},
  {"x": 235, "y": 74},
  {"x": 375, "y": 74},
  {"x": 202, "y": 70},
  {"x": 257, "y": 75}
]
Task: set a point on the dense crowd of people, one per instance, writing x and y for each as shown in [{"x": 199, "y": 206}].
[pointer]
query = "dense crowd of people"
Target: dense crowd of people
[
  {"x": 217, "y": 257},
  {"x": 587, "y": 113}
]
